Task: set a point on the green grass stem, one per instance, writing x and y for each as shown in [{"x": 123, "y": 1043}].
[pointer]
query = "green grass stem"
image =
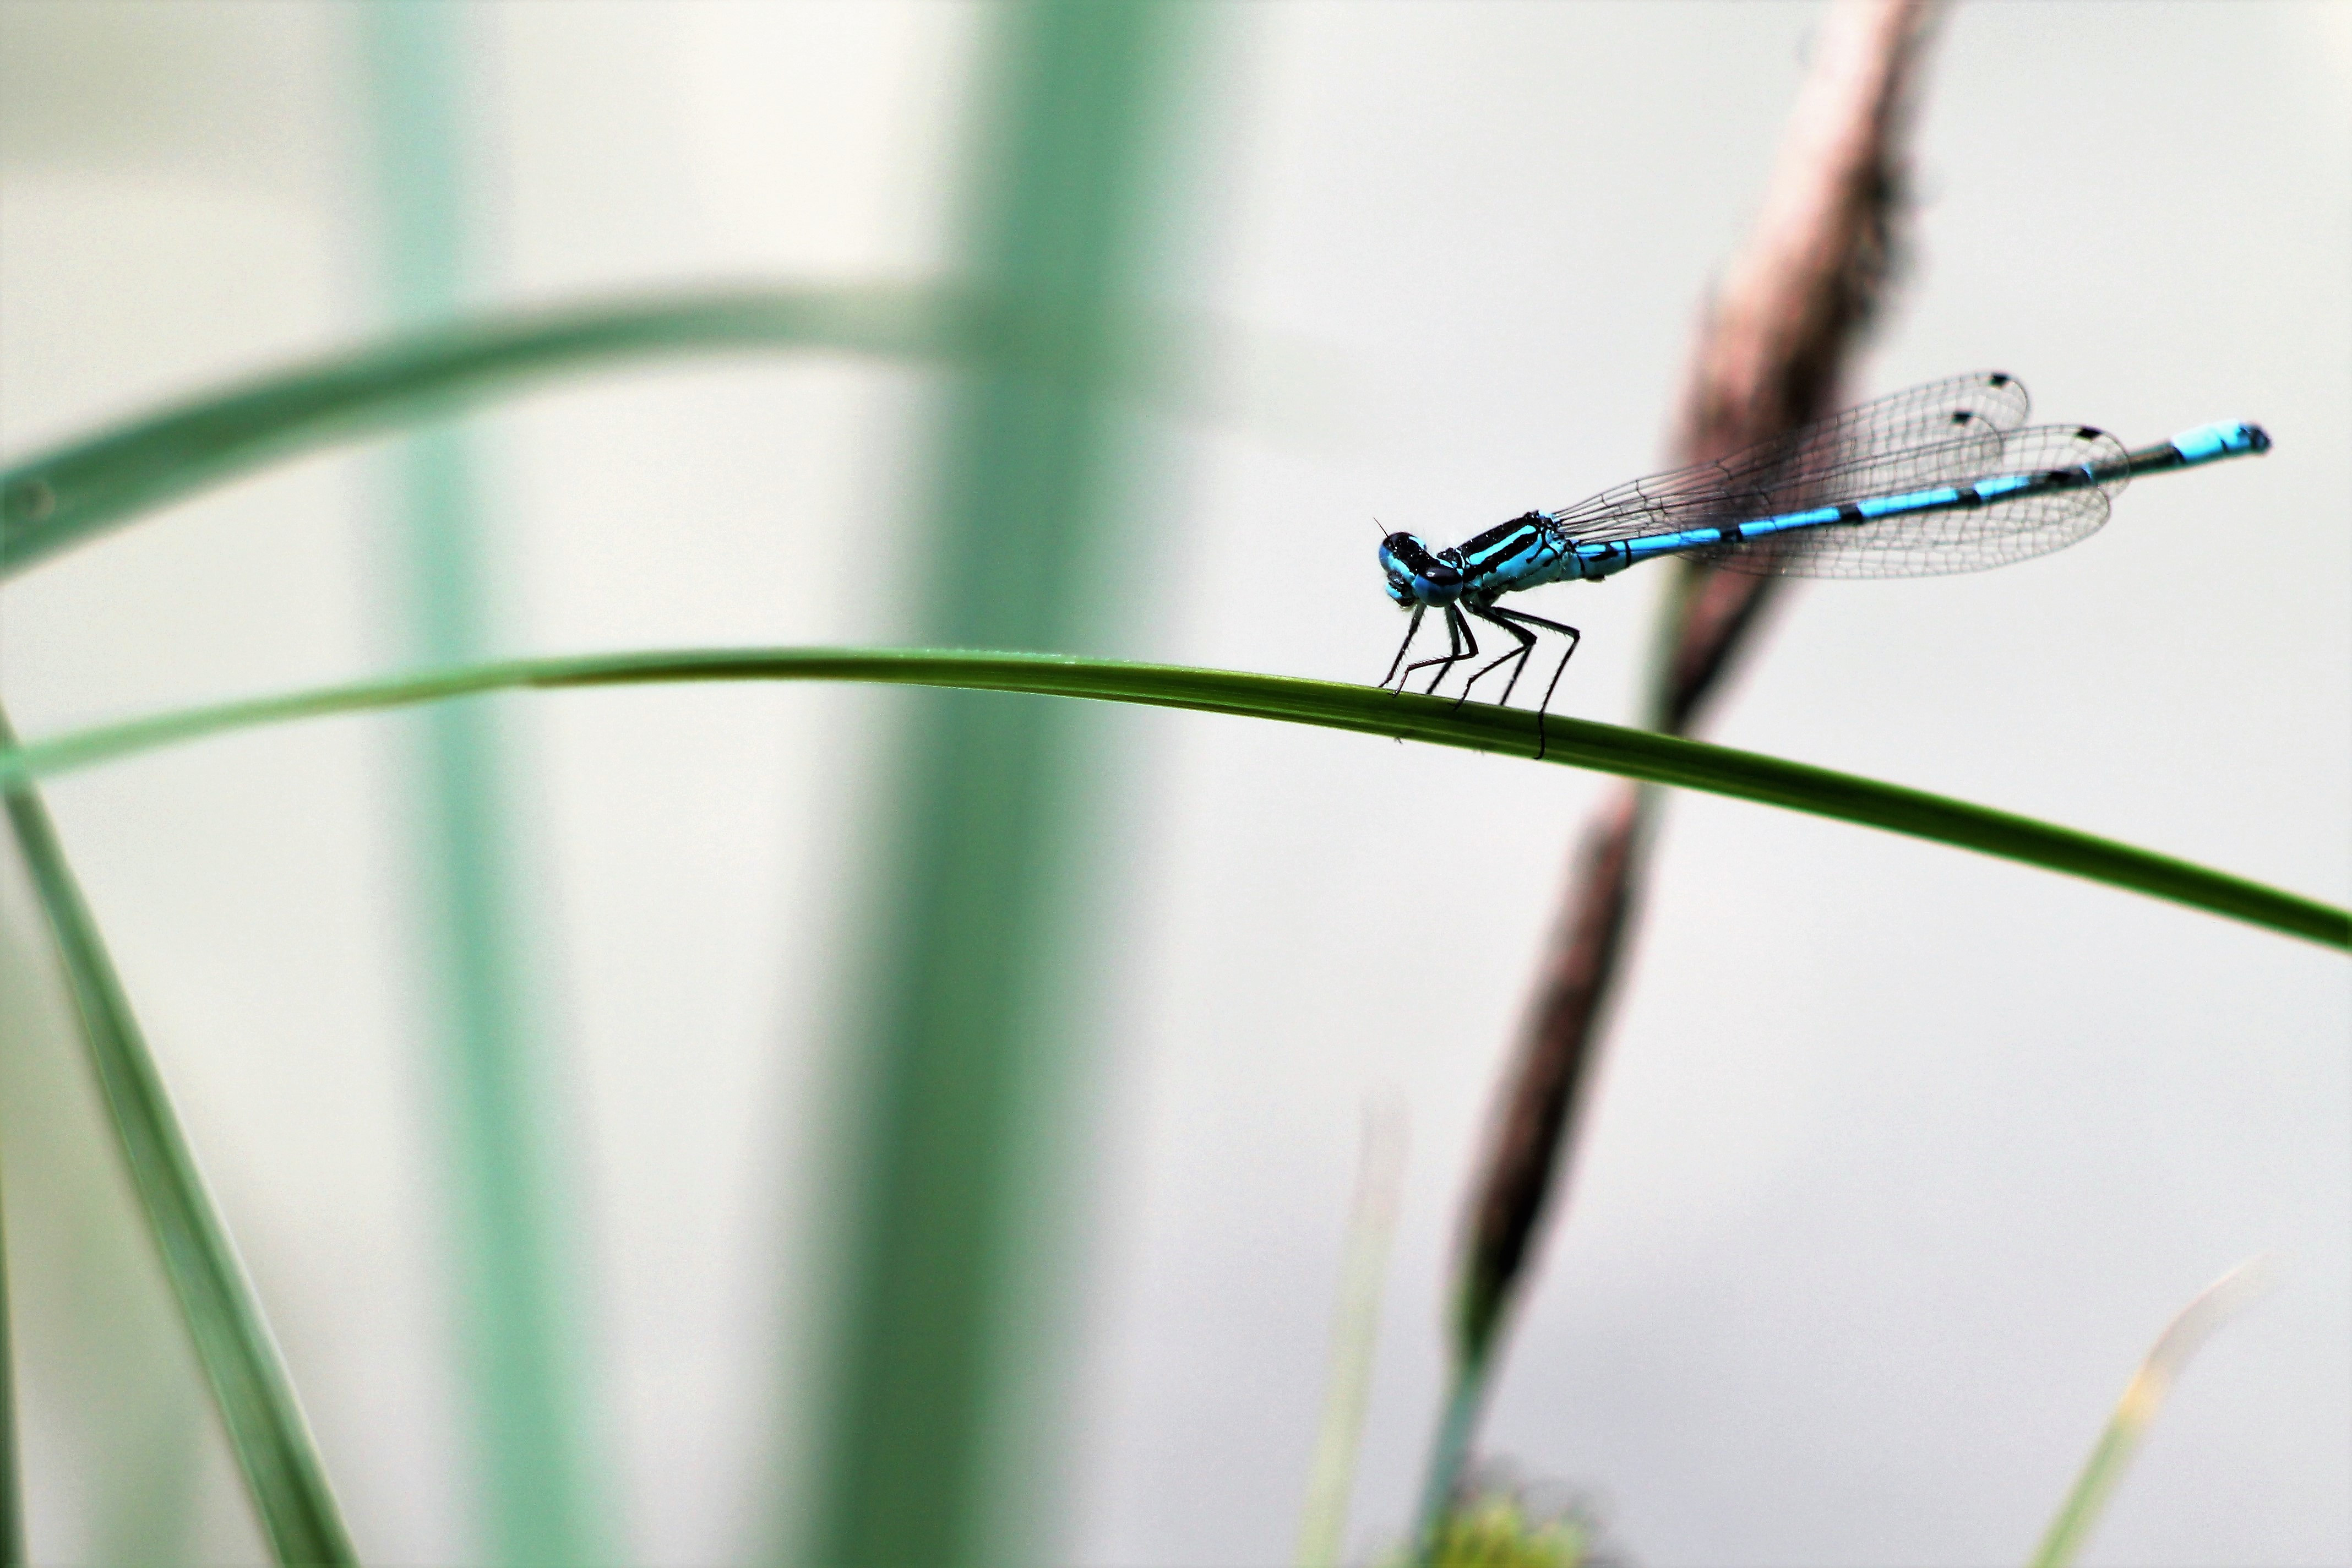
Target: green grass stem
[
  {"x": 504, "y": 1182},
  {"x": 1572, "y": 743},
  {"x": 266, "y": 1429},
  {"x": 936, "y": 1427},
  {"x": 1449, "y": 1456}
]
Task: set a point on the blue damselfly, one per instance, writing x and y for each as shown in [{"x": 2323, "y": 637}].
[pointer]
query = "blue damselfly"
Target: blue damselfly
[{"x": 1943, "y": 478}]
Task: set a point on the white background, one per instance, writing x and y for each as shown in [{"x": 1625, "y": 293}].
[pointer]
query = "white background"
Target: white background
[{"x": 1899, "y": 1158}]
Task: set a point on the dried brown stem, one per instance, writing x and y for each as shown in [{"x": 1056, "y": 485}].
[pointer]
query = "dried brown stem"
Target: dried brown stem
[{"x": 1770, "y": 355}]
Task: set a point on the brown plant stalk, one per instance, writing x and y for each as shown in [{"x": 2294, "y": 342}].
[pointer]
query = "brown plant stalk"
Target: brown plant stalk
[{"x": 1771, "y": 354}]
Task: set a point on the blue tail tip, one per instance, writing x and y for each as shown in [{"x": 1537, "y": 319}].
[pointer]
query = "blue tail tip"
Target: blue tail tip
[{"x": 2208, "y": 442}]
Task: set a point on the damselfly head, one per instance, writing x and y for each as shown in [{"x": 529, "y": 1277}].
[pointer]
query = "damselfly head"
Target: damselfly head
[{"x": 1416, "y": 574}]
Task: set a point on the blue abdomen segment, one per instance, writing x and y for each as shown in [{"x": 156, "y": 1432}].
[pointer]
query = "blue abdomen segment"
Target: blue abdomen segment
[
  {"x": 2210, "y": 442},
  {"x": 1994, "y": 489},
  {"x": 1756, "y": 528}
]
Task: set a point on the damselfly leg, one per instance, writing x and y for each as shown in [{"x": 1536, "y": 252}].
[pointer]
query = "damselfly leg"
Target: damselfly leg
[
  {"x": 1411, "y": 627},
  {"x": 1459, "y": 644},
  {"x": 1575, "y": 638},
  {"x": 1516, "y": 623},
  {"x": 1516, "y": 657}
]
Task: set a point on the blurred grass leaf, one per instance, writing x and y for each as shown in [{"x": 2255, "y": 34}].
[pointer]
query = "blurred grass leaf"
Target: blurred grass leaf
[
  {"x": 61, "y": 497},
  {"x": 1355, "y": 1334},
  {"x": 2070, "y": 1530},
  {"x": 273, "y": 1443},
  {"x": 68, "y": 493},
  {"x": 509, "y": 1189},
  {"x": 114, "y": 1395},
  {"x": 1572, "y": 743}
]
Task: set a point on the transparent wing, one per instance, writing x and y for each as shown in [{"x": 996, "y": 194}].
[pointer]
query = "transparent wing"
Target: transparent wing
[
  {"x": 1933, "y": 544},
  {"x": 1943, "y": 431}
]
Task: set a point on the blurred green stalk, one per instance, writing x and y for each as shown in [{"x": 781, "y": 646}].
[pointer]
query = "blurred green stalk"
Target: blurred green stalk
[
  {"x": 515, "y": 1326},
  {"x": 1355, "y": 1335},
  {"x": 12, "y": 1505},
  {"x": 927, "y": 1447}
]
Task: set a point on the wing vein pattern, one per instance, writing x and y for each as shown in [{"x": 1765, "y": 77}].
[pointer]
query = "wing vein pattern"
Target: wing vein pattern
[{"x": 1955, "y": 432}]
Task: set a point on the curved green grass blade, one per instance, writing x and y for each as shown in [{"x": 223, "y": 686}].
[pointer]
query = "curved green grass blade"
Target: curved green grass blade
[
  {"x": 1572, "y": 743},
  {"x": 266, "y": 1428},
  {"x": 2070, "y": 1530},
  {"x": 67, "y": 494}
]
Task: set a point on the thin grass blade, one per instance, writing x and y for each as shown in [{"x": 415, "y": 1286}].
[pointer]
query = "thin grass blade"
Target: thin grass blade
[
  {"x": 1639, "y": 754},
  {"x": 2069, "y": 1531},
  {"x": 1355, "y": 1334},
  {"x": 273, "y": 1443}
]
